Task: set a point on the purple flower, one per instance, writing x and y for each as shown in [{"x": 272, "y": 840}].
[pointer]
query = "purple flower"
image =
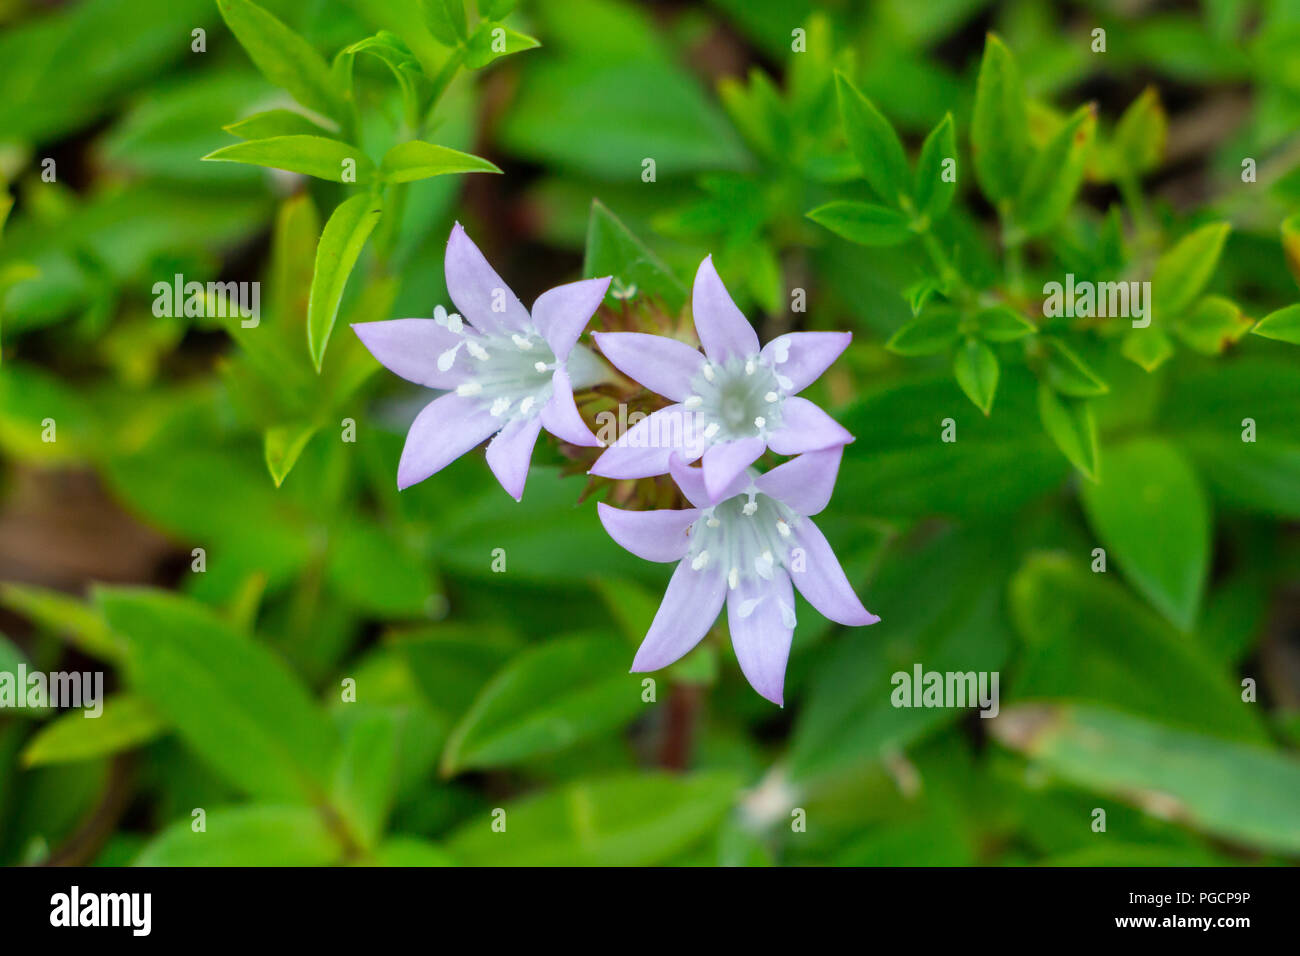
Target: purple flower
[
  {"x": 509, "y": 373},
  {"x": 746, "y": 545},
  {"x": 732, "y": 403}
]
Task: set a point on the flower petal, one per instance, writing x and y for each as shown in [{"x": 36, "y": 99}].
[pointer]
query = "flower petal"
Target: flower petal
[
  {"x": 652, "y": 535},
  {"x": 560, "y": 414},
  {"x": 805, "y": 427},
  {"x": 643, "y": 450},
  {"x": 511, "y": 452},
  {"x": 475, "y": 288},
  {"x": 561, "y": 314},
  {"x": 807, "y": 355},
  {"x": 723, "y": 329},
  {"x": 726, "y": 460},
  {"x": 760, "y": 615},
  {"x": 689, "y": 608},
  {"x": 411, "y": 347},
  {"x": 804, "y": 483},
  {"x": 822, "y": 582},
  {"x": 444, "y": 430},
  {"x": 661, "y": 364}
]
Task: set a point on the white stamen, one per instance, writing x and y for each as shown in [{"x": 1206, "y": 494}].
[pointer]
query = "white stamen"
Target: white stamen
[
  {"x": 708, "y": 371},
  {"x": 454, "y": 324},
  {"x": 781, "y": 350},
  {"x": 763, "y": 565},
  {"x": 771, "y": 397},
  {"x": 782, "y": 527},
  {"x": 712, "y": 522},
  {"x": 760, "y": 422},
  {"x": 787, "y": 615},
  {"x": 448, "y": 358},
  {"x": 499, "y": 407},
  {"x": 733, "y": 578},
  {"x": 541, "y": 366},
  {"x": 476, "y": 350},
  {"x": 699, "y": 561},
  {"x": 749, "y": 366},
  {"x": 693, "y": 401},
  {"x": 521, "y": 341},
  {"x": 747, "y": 607},
  {"x": 784, "y": 382},
  {"x": 468, "y": 389},
  {"x": 749, "y": 508},
  {"x": 526, "y": 404},
  {"x": 711, "y": 430}
]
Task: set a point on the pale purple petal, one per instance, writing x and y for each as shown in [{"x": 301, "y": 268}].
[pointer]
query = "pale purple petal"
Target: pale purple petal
[
  {"x": 410, "y": 348},
  {"x": 807, "y": 355},
  {"x": 760, "y": 615},
  {"x": 509, "y": 454},
  {"x": 689, "y": 480},
  {"x": 444, "y": 430},
  {"x": 475, "y": 288},
  {"x": 804, "y": 483},
  {"x": 723, "y": 329},
  {"x": 663, "y": 365},
  {"x": 643, "y": 450},
  {"x": 726, "y": 460},
  {"x": 561, "y": 314},
  {"x": 817, "y": 574},
  {"x": 689, "y": 608},
  {"x": 652, "y": 535},
  {"x": 560, "y": 414},
  {"x": 805, "y": 427}
]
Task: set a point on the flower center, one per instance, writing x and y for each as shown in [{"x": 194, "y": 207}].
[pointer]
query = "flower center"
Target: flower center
[
  {"x": 510, "y": 374},
  {"x": 739, "y": 398},
  {"x": 746, "y": 536}
]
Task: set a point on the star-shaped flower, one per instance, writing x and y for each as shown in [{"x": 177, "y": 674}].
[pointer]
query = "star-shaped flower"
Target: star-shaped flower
[
  {"x": 745, "y": 546},
  {"x": 509, "y": 372},
  {"x": 732, "y": 403}
]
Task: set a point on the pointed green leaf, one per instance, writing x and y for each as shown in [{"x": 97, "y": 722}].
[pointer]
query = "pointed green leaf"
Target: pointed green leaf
[
  {"x": 1183, "y": 271},
  {"x": 283, "y": 444},
  {"x": 1212, "y": 325},
  {"x": 341, "y": 242},
  {"x": 284, "y": 57},
  {"x": 874, "y": 144},
  {"x": 446, "y": 20},
  {"x": 1001, "y": 323},
  {"x": 365, "y": 780},
  {"x": 1000, "y": 125},
  {"x": 933, "y": 191},
  {"x": 312, "y": 155},
  {"x": 1139, "y": 142},
  {"x": 863, "y": 223},
  {"x": 1070, "y": 423},
  {"x": 976, "y": 369},
  {"x": 416, "y": 159},
  {"x": 1069, "y": 374},
  {"x": 255, "y": 835},
  {"x": 935, "y": 331},
  {"x": 613, "y": 250},
  {"x": 1149, "y": 347},
  {"x": 491, "y": 41},
  {"x": 1153, "y": 517},
  {"x": 273, "y": 123},
  {"x": 1283, "y": 325},
  {"x": 1056, "y": 173},
  {"x": 126, "y": 722}
]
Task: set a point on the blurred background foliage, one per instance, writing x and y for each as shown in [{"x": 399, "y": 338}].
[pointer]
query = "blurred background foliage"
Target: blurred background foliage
[{"x": 477, "y": 690}]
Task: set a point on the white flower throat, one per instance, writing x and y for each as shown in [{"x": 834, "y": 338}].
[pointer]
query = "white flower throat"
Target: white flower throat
[
  {"x": 738, "y": 398},
  {"x": 744, "y": 537},
  {"x": 510, "y": 373}
]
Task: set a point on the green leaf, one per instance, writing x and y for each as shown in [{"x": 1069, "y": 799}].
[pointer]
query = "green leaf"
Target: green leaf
[
  {"x": 452, "y": 664},
  {"x": 976, "y": 369},
  {"x": 1291, "y": 244},
  {"x": 1000, "y": 125},
  {"x": 283, "y": 445},
  {"x": 407, "y": 851},
  {"x": 1070, "y": 423},
  {"x": 231, "y": 700},
  {"x": 341, "y": 242},
  {"x": 1149, "y": 347},
  {"x": 1139, "y": 142},
  {"x": 1283, "y": 325},
  {"x": 934, "y": 331},
  {"x": 863, "y": 223},
  {"x": 1212, "y": 325},
  {"x": 1241, "y": 793},
  {"x": 1070, "y": 375},
  {"x": 546, "y": 699},
  {"x": 1182, "y": 271},
  {"x": 273, "y": 123},
  {"x": 312, "y": 155},
  {"x": 446, "y": 20},
  {"x": 246, "y": 836},
  {"x": 933, "y": 192},
  {"x": 1001, "y": 323},
  {"x": 1056, "y": 173},
  {"x": 491, "y": 41},
  {"x": 874, "y": 144},
  {"x": 413, "y": 160},
  {"x": 375, "y": 570},
  {"x": 284, "y": 57},
  {"x": 365, "y": 780},
  {"x": 613, "y": 250},
  {"x": 125, "y": 722},
  {"x": 624, "y": 820},
  {"x": 67, "y": 617},
  {"x": 1152, "y": 515}
]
